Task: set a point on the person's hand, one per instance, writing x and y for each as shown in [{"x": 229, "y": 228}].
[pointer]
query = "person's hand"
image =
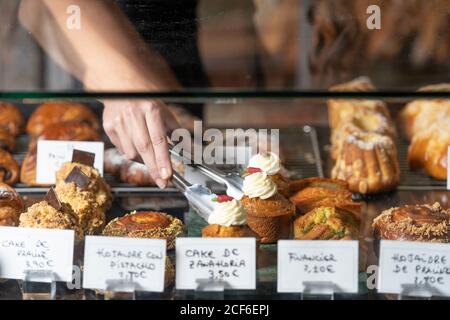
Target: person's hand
[{"x": 139, "y": 130}]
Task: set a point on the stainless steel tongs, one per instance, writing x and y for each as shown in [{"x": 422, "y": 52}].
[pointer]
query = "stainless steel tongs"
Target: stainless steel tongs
[
  {"x": 233, "y": 181},
  {"x": 199, "y": 197},
  {"x": 202, "y": 198}
]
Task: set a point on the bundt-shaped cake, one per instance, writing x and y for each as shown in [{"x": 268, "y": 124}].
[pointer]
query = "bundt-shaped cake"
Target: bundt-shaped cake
[
  {"x": 428, "y": 150},
  {"x": 368, "y": 162}
]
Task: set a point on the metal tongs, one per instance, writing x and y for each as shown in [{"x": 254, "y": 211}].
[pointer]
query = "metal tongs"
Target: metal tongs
[
  {"x": 200, "y": 197},
  {"x": 233, "y": 181}
]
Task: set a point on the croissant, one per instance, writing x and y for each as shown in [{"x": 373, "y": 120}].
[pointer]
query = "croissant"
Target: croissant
[
  {"x": 7, "y": 141},
  {"x": 50, "y": 113},
  {"x": 9, "y": 168},
  {"x": 11, "y": 119},
  {"x": 11, "y": 206}
]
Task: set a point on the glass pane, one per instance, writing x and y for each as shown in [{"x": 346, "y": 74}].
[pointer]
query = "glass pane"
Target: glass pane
[{"x": 282, "y": 45}]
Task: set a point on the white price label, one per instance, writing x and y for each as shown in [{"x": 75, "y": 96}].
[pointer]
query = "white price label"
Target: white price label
[
  {"x": 232, "y": 260},
  {"x": 52, "y": 154},
  {"x": 26, "y": 249},
  {"x": 140, "y": 261},
  {"x": 405, "y": 263},
  {"x": 300, "y": 262}
]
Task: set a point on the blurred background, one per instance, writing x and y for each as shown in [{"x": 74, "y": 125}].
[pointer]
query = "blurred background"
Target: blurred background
[{"x": 273, "y": 44}]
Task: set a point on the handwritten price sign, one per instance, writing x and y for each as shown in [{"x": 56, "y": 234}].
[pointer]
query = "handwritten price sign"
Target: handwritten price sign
[
  {"x": 317, "y": 261},
  {"x": 24, "y": 249},
  {"x": 229, "y": 259}
]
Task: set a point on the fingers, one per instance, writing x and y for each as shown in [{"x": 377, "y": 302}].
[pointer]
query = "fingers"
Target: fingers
[
  {"x": 109, "y": 126},
  {"x": 138, "y": 130},
  {"x": 170, "y": 121},
  {"x": 158, "y": 137},
  {"x": 144, "y": 147},
  {"x": 122, "y": 129}
]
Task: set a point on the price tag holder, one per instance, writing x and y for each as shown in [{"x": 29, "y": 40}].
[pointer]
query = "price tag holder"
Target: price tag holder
[
  {"x": 405, "y": 264},
  {"x": 25, "y": 250},
  {"x": 141, "y": 262},
  {"x": 221, "y": 260},
  {"x": 52, "y": 154},
  {"x": 301, "y": 263}
]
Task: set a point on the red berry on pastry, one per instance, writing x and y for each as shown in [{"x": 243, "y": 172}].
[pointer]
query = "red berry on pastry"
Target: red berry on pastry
[
  {"x": 252, "y": 170},
  {"x": 223, "y": 198}
]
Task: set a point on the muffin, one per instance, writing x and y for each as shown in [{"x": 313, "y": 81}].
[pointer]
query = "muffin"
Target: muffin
[
  {"x": 269, "y": 214},
  {"x": 228, "y": 220},
  {"x": 271, "y": 165},
  {"x": 97, "y": 185},
  {"x": 52, "y": 214},
  {"x": 11, "y": 206},
  {"x": 146, "y": 225},
  {"x": 90, "y": 216},
  {"x": 326, "y": 223},
  {"x": 426, "y": 223}
]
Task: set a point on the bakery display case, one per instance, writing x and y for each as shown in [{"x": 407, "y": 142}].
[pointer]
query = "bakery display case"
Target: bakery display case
[{"x": 352, "y": 128}]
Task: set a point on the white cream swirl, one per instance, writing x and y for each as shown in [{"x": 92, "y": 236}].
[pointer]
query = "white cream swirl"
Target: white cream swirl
[
  {"x": 259, "y": 185},
  {"x": 269, "y": 163},
  {"x": 230, "y": 213}
]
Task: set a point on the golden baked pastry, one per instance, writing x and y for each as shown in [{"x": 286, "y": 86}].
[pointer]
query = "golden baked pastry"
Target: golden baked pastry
[
  {"x": 219, "y": 231},
  {"x": 9, "y": 168},
  {"x": 97, "y": 185},
  {"x": 11, "y": 206},
  {"x": 69, "y": 131},
  {"x": 326, "y": 223},
  {"x": 50, "y": 113},
  {"x": 429, "y": 150},
  {"x": 11, "y": 119},
  {"x": 344, "y": 110},
  {"x": 146, "y": 225},
  {"x": 361, "y": 121},
  {"x": 310, "y": 198},
  {"x": 368, "y": 162},
  {"x": 429, "y": 223},
  {"x": 7, "y": 141},
  {"x": 269, "y": 218},
  {"x": 44, "y": 215},
  {"x": 90, "y": 216},
  {"x": 419, "y": 115}
]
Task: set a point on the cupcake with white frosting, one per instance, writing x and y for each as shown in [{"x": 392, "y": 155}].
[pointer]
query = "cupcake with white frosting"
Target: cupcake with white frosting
[
  {"x": 270, "y": 164},
  {"x": 269, "y": 213},
  {"x": 228, "y": 220}
]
